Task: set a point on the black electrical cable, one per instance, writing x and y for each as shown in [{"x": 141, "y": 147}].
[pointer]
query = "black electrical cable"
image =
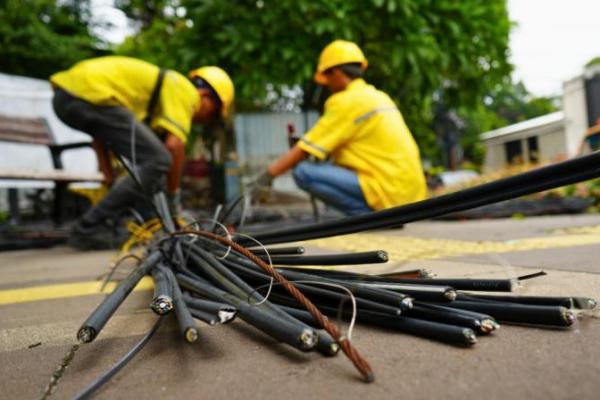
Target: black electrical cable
[
  {"x": 383, "y": 301},
  {"x": 386, "y": 297},
  {"x": 519, "y": 313},
  {"x": 96, "y": 321},
  {"x": 367, "y": 257},
  {"x": 297, "y": 335},
  {"x": 480, "y": 316},
  {"x": 229, "y": 209},
  {"x": 482, "y": 285},
  {"x": 407, "y": 274},
  {"x": 515, "y": 186},
  {"x": 302, "y": 315},
  {"x": 276, "y": 251},
  {"x": 162, "y": 302},
  {"x": 217, "y": 272},
  {"x": 566, "y": 302},
  {"x": 134, "y": 176},
  {"x": 567, "y": 172},
  {"x": 382, "y": 296},
  {"x": 433, "y": 330},
  {"x": 446, "y": 317},
  {"x": 209, "y": 319},
  {"x": 102, "y": 380},
  {"x": 223, "y": 311},
  {"x": 187, "y": 325},
  {"x": 326, "y": 294},
  {"x": 354, "y": 276},
  {"x": 417, "y": 292}
]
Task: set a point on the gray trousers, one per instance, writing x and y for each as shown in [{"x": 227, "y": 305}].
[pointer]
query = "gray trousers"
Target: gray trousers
[{"x": 117, "y": 129}]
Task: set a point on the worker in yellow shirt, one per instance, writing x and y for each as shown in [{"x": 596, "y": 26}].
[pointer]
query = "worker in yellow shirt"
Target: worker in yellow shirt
[
  {"x": 142, "y": 113},
  {"x": 372, "y": 159}
]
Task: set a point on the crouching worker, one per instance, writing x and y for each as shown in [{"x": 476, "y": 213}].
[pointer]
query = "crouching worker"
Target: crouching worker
[
  {"x": 142, "y": 113},
  {"x": 372, "y": 160}
]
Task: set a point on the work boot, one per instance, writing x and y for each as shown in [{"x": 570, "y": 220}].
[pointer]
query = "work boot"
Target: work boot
[{"x": 90, "y": 236}]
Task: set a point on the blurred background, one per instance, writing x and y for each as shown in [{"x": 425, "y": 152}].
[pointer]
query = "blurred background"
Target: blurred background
[{"x": 487, "y": 87}]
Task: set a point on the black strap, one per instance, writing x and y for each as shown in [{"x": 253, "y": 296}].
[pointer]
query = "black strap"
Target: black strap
[{"x": 154, "y": 96}]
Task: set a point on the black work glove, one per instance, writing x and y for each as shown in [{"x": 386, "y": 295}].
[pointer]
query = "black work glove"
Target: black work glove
[
  {"x": 264, "y": 180},
  {"x": 260, "y": 186}
]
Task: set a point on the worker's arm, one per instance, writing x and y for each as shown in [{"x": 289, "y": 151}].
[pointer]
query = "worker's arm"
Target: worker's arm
[
  {"x": 177, "y": 149},
  {"x": 104, "y": 162},
  {"x": 287, "y": 161}
]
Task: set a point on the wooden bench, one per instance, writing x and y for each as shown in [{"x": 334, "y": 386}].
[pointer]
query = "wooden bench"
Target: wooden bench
[{"x": 35, "y": 131}]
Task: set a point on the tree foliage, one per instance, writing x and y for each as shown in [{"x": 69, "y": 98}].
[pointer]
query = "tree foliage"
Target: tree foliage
[
  {"x": 415, "y": 48},
  {"x": 39, "y": 37},
  {"x": 593, "y": 61}
]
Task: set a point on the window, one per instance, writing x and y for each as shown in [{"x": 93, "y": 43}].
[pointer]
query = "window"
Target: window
[
  {"x": 514, "y": 152},
  {"x": 532, "y": 149}
]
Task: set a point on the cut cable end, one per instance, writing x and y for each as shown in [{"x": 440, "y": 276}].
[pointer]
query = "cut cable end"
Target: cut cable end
[
  {"x": 470, "y": 337},
  {"x": 191, "y": 335},
  {"x": 86, "y": 334},
  {"x": 162, "y": 305}
]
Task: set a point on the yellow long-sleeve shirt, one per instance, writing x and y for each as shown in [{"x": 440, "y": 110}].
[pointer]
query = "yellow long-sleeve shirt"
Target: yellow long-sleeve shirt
[
  {"x": 363, "y": 130},
  {"x": 129, "y": 82}
]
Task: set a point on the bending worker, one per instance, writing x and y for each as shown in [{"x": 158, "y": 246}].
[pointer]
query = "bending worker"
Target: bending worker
[
  {"x": 372, "y": 159},
  {"x": 142, "y": 113}
]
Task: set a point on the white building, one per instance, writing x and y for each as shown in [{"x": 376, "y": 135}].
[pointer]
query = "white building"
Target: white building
[{"x": 551, "y": 137}]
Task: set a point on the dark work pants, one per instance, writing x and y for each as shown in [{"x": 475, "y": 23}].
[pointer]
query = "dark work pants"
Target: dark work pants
[{"x": 116, "y": 128}]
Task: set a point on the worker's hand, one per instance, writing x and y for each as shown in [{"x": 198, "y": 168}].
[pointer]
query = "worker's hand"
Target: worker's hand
[
  {"x": 264, "y": 180},
  {"x": 174, "y": 203},
  {"x": 260, "y": 186}
]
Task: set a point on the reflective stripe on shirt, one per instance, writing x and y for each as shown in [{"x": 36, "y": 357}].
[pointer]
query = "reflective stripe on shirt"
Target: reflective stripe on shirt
[{"x": 368, "y": 115}]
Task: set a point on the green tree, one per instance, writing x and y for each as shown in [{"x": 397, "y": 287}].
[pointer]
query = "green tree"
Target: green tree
[
  {"x": 415, "y": 48},
  {"x": 40, "y": 37},
  {"x": 593, "y": 61}
]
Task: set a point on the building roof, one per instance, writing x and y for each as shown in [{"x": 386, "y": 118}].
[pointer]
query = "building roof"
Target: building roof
[{"x": 545, "y": 121}]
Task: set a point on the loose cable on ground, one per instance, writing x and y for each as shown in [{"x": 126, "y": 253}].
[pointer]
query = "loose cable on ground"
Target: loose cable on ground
[{"x": 102, "y": 380}]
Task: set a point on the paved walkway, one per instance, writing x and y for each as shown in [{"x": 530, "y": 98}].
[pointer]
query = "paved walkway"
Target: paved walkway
[{"x": 46, "y": 294}]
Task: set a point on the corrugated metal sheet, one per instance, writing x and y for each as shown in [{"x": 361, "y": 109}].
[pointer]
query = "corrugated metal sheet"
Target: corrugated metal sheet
[{"x": 262, "y": 137}]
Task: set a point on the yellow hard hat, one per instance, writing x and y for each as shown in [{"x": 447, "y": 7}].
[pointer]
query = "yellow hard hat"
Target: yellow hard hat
[
  {"x": 339, "y": 52},
  {"x": 221, "y": 83}
]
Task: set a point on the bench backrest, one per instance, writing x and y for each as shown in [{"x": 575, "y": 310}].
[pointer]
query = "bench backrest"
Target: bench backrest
[{"x": 25, "y": 130}]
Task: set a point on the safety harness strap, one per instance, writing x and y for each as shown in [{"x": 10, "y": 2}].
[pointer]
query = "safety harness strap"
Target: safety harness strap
[{"x": 154, "y": 97}]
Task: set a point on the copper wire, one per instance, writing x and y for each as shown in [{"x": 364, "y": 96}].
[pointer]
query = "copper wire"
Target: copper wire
[{"x": 351, "y": 352}]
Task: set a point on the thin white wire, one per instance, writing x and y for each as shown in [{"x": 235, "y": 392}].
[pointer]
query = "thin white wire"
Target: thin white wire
[
  {"x": 348, "y": 335},
  {"x": 270, "y": 263},
  {"x": 213, "y": 220}
]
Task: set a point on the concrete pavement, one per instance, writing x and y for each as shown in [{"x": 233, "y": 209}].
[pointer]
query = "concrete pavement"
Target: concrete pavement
[{"x": 239, "y": 362}]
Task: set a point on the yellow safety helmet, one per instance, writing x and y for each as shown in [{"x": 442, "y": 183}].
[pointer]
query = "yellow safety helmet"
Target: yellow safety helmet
[
  {"x": 339, "y": 52},
  {"x": 221, "y": 83}
]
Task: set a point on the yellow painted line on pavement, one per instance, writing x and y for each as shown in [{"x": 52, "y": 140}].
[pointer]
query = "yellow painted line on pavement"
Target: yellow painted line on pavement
[
  {"x": 402, "y": 248},
  {"x": 64, "y": 290},
  {"x": 399, "y": 248}
]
